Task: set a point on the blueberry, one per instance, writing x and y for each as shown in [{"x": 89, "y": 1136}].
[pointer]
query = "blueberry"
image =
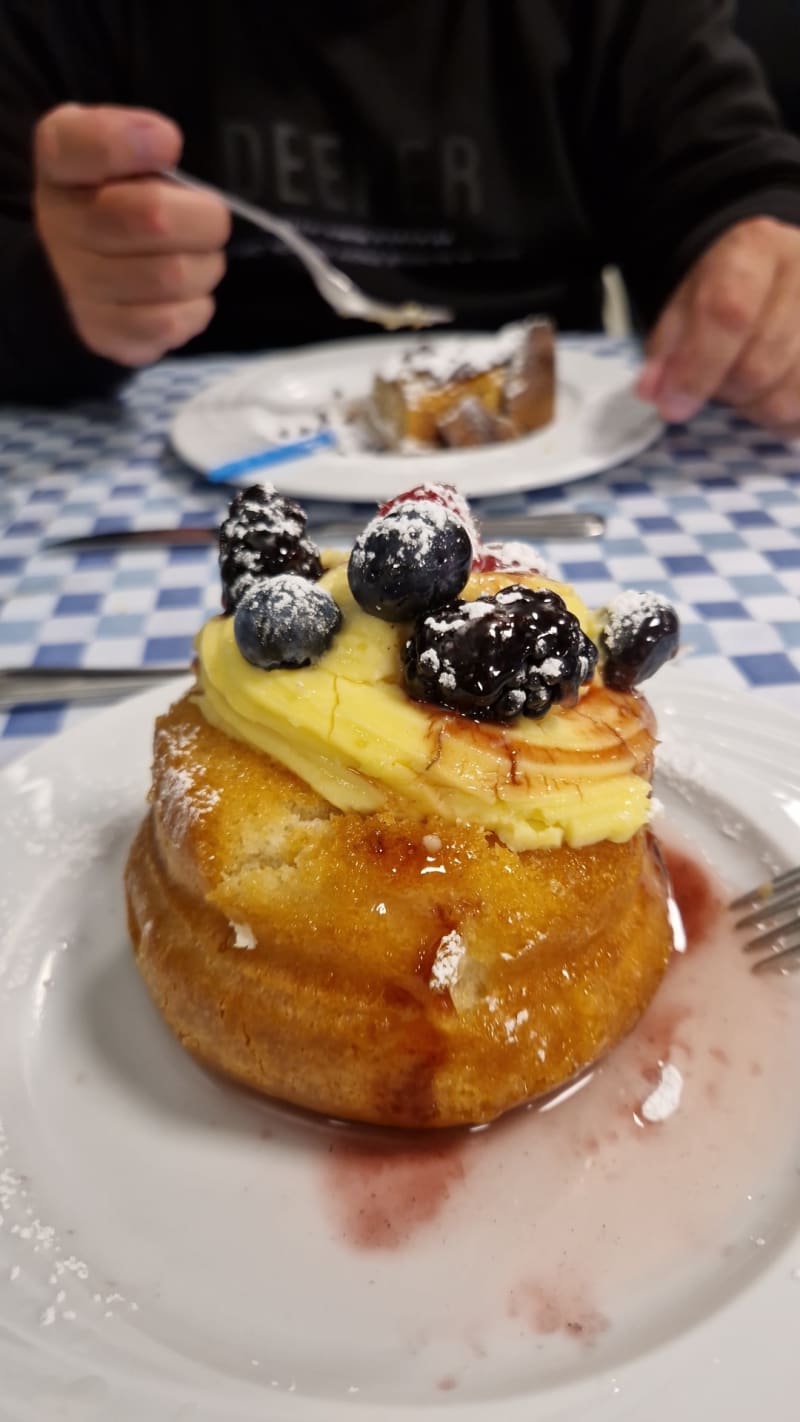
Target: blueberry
[
  {"x": 263, "y": 534},
  {"x": 412, "y": 559},
  {"x": 285, "y": 621},
  {"x": 444, "y": 494},
  {"x": 516, "y": 653},
  {"x": 641, "y": 633}
]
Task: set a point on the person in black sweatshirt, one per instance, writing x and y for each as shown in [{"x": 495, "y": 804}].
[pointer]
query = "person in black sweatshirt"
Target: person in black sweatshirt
[{"x": 491, "y": 155}]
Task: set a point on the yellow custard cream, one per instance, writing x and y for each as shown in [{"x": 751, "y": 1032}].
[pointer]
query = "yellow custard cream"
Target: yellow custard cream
[{"x": 349, "y": 729}]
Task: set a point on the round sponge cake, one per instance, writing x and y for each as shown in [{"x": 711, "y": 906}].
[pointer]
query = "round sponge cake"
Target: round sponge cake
[{"x": 378, "y": 967}]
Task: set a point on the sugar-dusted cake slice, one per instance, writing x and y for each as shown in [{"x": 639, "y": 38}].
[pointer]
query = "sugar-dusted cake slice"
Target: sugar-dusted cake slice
[{"x": 461, "y": 393}]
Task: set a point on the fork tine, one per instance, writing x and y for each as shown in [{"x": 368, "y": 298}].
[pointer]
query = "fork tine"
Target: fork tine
[
  {"x": 785, "y": 934},
  {"x": 788, "y": 961},
  {"x": 766, "y": 890},
  {"x": 772, "y": 909}
]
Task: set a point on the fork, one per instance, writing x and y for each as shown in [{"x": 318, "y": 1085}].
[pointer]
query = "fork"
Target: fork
[
  {"x": 333, "y": 285},
  {"x": 773, "y": 913}
]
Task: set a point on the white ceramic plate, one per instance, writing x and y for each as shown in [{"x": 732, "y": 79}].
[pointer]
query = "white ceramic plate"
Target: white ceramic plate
[
  {"x": 599, "y": 423},
  {"x": 175, "y": 1250}
]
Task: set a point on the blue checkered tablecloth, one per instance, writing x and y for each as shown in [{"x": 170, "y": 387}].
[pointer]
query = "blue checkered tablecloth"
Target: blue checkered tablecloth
[{"x": 710, "y": 516}]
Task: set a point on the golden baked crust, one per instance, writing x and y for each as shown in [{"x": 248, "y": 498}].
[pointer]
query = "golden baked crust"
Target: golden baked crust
[{"x": 351, "y": 1002}]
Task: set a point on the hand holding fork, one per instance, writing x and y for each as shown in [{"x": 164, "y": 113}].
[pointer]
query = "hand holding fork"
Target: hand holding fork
[{"x": 138, "y": 258}]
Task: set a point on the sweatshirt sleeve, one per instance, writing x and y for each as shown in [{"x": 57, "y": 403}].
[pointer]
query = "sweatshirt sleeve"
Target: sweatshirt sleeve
[
  {"x": 683, "y": 139},
  {"x": 45, "y": 61}
]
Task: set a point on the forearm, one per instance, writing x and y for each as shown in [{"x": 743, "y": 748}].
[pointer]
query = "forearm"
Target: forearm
[{"x": 42, "y": 359}]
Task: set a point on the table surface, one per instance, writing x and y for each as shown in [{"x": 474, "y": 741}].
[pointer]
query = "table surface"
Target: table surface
[{"x": 710, "y": 516}]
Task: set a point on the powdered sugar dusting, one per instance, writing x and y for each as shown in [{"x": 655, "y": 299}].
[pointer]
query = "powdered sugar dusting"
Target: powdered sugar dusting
[
  {"x": 46, "y": 1255},
  {"x": 467, "y": 423},
  {"x": 455, "y": 359},
  {"x": 470, "y": 612},
  {"x": 448, "y": 962},
  {"x": 513, "y": 557},
  {"x": 288, "y": 591},
  {"x": 176, "y": 740},
  {"x": 290, "y": 597},
  {"x": 446, "y": 495},
  {"x": 415, "y": 526},
  {"x": 183, "y": 801},
  {"x": 430, "y": 660},
  {"x": 183, "y": 797},
  {"x": 407, "y": 517},
  {"x": 439, "y": 494},
  {"x": 627, "y": 613},
  {"x": 552, "y": 669},
  {"x": 279, "y": 517},
  {"x": 512, "y": 1024}
]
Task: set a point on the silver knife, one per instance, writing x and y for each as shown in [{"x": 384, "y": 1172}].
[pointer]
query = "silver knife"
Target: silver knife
[
  {"x": 37, "y": 685},
  {"x": 524, "y": 527}
]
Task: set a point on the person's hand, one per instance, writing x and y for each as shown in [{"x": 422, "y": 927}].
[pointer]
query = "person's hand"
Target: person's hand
[
  {"x": 732, "y": 331},
  {"x": 137, "y": 257}
]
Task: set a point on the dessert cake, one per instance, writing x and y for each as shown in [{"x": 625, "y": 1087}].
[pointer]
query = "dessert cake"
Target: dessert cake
[
  {"x": 396, "y": 866},
  {"x": 456, "y": 395}
]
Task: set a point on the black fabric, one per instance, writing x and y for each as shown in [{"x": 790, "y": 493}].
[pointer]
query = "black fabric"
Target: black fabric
[
  {"x": 772, "y": 28},
  {"x": 490, "y": 154}
]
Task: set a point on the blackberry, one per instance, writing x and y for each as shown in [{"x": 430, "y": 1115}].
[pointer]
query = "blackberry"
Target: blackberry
[
  {"x": 641, "y": 633},
  {"x": 516, "y": 653},
  {"x": 285, "y": 621},
  {"x": 263, "y": 534},
  {"x": 414, "y": 558}
]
